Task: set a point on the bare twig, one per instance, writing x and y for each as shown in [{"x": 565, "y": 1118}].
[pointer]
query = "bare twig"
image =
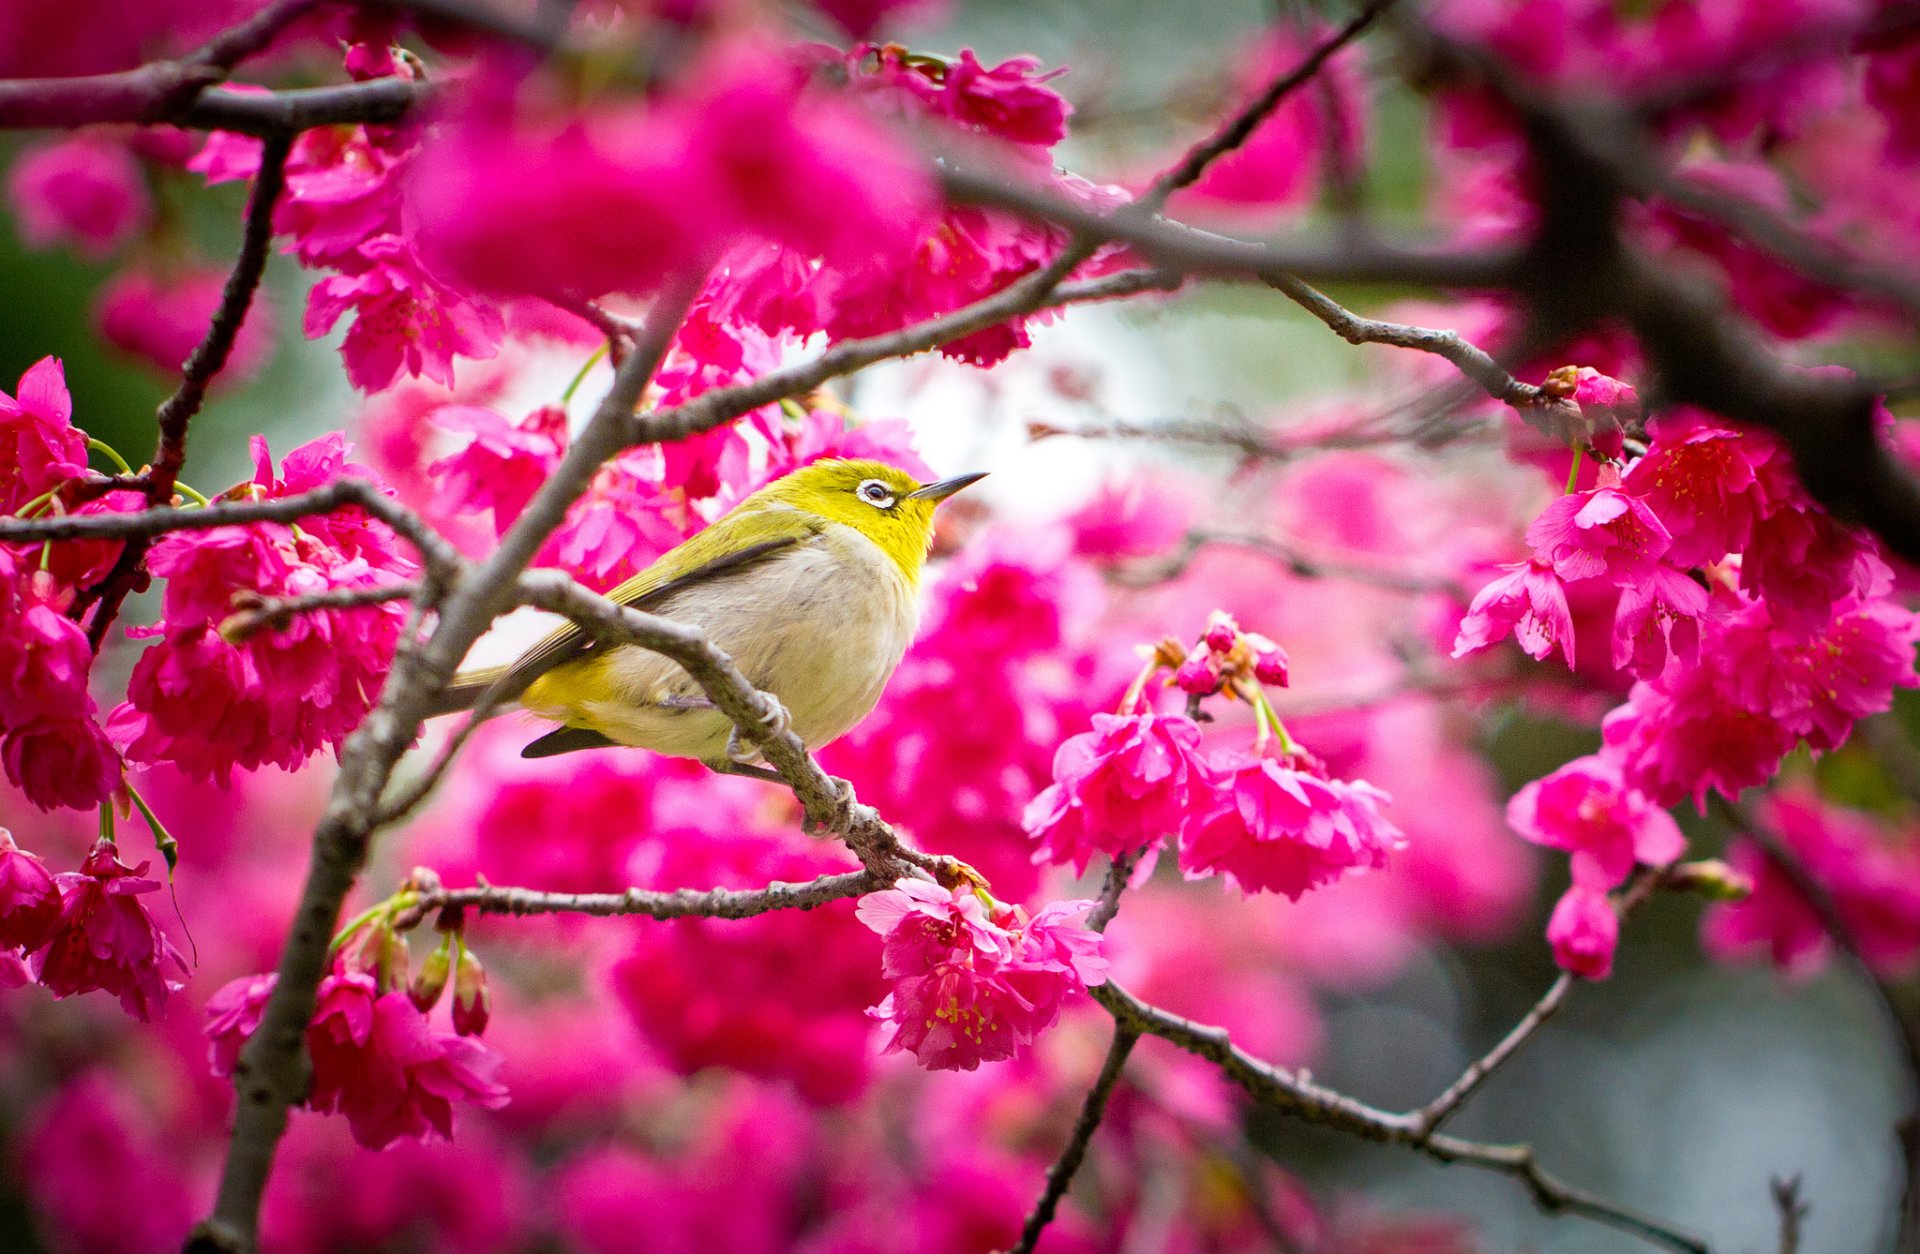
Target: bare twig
[
  {"x": 1312, "y": 1103},
  {"x": 435, "y": 550},
  {"x": 1241, "y": 126},
  {"x": 1306, "y": 567},
  {"x": 1092, "y": 1110},
  {"x": 683, "y": 903},
  {"x": 254, "y": 613},
  {"x": 1792, "y": 1209},
  {"x": 208, "y": 357}
]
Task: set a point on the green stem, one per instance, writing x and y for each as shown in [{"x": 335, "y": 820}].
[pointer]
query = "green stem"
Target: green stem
[
  {"x": 1267, "y": 718},
  {"x": 106, "y": 820},
  {"x": 113, "y": 454},
  {"x": 566, "y": 397},
  {"x": 1573, "y": 475},
  {"x": 163, "y": 840},
  {"x": 198, "y": 498},
  {"x": 39, "y": 502}
]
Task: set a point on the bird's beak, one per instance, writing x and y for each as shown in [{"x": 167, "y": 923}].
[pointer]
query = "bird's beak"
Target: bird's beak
[{"x": 945, "y": 488}]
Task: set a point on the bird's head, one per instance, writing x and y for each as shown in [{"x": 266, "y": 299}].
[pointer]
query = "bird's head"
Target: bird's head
[{"x": 882, "y": 502}]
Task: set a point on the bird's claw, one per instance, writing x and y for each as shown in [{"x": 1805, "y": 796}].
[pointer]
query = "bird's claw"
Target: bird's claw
[
  {"x": 774, "y": 721},
  {"x": 839, "y": 811}
]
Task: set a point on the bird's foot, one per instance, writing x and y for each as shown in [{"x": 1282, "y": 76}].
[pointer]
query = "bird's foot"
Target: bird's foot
[
  {"x": 745, "y": 770},
  {"x": 775, "y": 722},
  {"x": 832, "y": 816}
]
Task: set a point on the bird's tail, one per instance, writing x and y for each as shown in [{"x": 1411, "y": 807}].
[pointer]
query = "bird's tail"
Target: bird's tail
[{"x": 466, "y": 690}]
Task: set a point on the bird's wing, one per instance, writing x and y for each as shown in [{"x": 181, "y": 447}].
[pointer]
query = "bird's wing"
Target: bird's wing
[{"x": 735, "y": 543}]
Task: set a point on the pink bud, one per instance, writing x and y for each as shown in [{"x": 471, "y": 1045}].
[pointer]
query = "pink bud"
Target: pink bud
[
  {"x": 472, "y": 1004},
  {"x": 1269, "y": 662},
  {"x": 1222, "y": 631},
  {"x": 431, "y": 980},
  {"x": 1199, "y": 674}
]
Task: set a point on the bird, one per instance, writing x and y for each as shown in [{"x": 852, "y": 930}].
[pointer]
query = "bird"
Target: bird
[{"x": 810, "y": 585}]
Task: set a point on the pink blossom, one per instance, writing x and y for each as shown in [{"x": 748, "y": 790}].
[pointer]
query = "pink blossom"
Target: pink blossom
[
  {"x": 968, "y": 989},
  {"x": 106, "y": 939},
  {"x": 1529, "y": 602},
  {"x": 1600, "y": 533},
  {"x": 206, "y": 704},
  {"x": 1871, "y": 878},
  {"x": 29, "y": 900},
  {"x": 1588, "y": 810},
  {"x": 503, "y": 464},
  {"x": 375, "y": 1059},
  {"x": 1121, "y": 788},
  {"x": 85, "y": 191},
  {"x": 1701, "y": 478},
  {"x": 791, "y": 1005},
  {"x": 405, "y": 319},
  {"x": 1802, "y": 562},
  {"x": 1008, "y": 101},
  {"x": 162, "y": 317},
  {"x": 1584, "y": 932},
  {"x": 44, "y": 655},
  {"x": 40, "y": 448},
  {"x": 1280, "y": 828},
  {"x": 104, "y": 1169},
  {"x": 62, "y": 762},
  {"x": 1593, "y": 390},
  {"x": 1658, "y": 614},
  {"x": 1892, "y": 86}
]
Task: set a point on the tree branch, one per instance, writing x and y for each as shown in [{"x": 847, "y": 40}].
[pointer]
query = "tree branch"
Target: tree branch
[
  {"x": 1092, "y": 1110},
  {"x": 683, "y": 903},
  {"x": 208, "y": 357},
  {"x": 254, "y": 613},
  {"x": 1239, "y": 128}
]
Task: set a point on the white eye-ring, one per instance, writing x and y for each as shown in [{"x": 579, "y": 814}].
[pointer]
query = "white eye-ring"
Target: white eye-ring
[{"x": 876, "y": 493}]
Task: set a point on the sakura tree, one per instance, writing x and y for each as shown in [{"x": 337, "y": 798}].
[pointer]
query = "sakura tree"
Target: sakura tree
[{"x": 1565, "y": 507}]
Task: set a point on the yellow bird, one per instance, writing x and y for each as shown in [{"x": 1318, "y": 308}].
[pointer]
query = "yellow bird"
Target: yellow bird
[{"x": 811, "y": 586}]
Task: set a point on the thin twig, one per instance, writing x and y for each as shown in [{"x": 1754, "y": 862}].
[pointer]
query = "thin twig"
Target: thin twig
[
  {"x": 1303, "y": 1099},
  {"x": 208, "y": 357},
  {"x": 1197, "y": 541},
  {"x": 1241, "y": 126},
  {"x": 1792, "y": 1209},
  {"x": 347, "y": 492},
  {"x": 682, "y": 903},
  {"x": 1092, "y": 1110},
  {"x": 254, "y": 613}
]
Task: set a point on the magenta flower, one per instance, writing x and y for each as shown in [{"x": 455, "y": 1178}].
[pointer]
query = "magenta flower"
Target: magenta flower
[
  {"x": 1530, "y": 603},
  {"x": 44, "y": 655},
  {"x": 1602, "y": 533},
  {"x": 106, "y": 939},
  {"x": 1588, "y": 810},
  {"x": 1584, "y": 931},
  {"x": 1658, "y": 616},
  {"x": 206, "y": 704},
  {"x": 503, "y": 463},
  {"x": 1121, "y": 787},
  {"x": 84, "y": 191},
  {"x": 40, "y": 448},
  {"x": 160, "y": 318},
  {"x": 1701, "y": 479},
  {"x": 1278, "y": 828},
  {"x": 375, "y": 1059},
  {"x": 29, "y": 900},
  {"x": 1591, "y": 389},
  {"x": 62, "y": 763},
  {"x": 405, "y": 320},
  {"x": 968, "y": 989}
]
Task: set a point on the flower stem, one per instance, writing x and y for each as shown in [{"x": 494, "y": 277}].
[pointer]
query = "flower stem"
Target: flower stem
[
  {"x": 566, "y": 397},
  {"x": 1573, "y": 474},
  {"x": 198, "y": 498},
  {"x": 163, "y": 840},
  {"x": 113, "y": 454}
]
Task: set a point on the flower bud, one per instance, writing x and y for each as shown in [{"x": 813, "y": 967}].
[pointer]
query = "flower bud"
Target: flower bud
[
  {"x": 394, "y": 958},
  {"x": 472, "y": 1004},
  {"x": 29, "y": 900},
  {"x": 1712, "y": 879},
  {"x": 431, "y": 980},
  {"x": 1269, "y": 661},
  {"x": 1222, "y": 631},
  {"x": 1199, "y": 674}
]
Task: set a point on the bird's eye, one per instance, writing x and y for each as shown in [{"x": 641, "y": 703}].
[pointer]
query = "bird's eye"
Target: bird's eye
[{"x": 876, "y": 494}]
